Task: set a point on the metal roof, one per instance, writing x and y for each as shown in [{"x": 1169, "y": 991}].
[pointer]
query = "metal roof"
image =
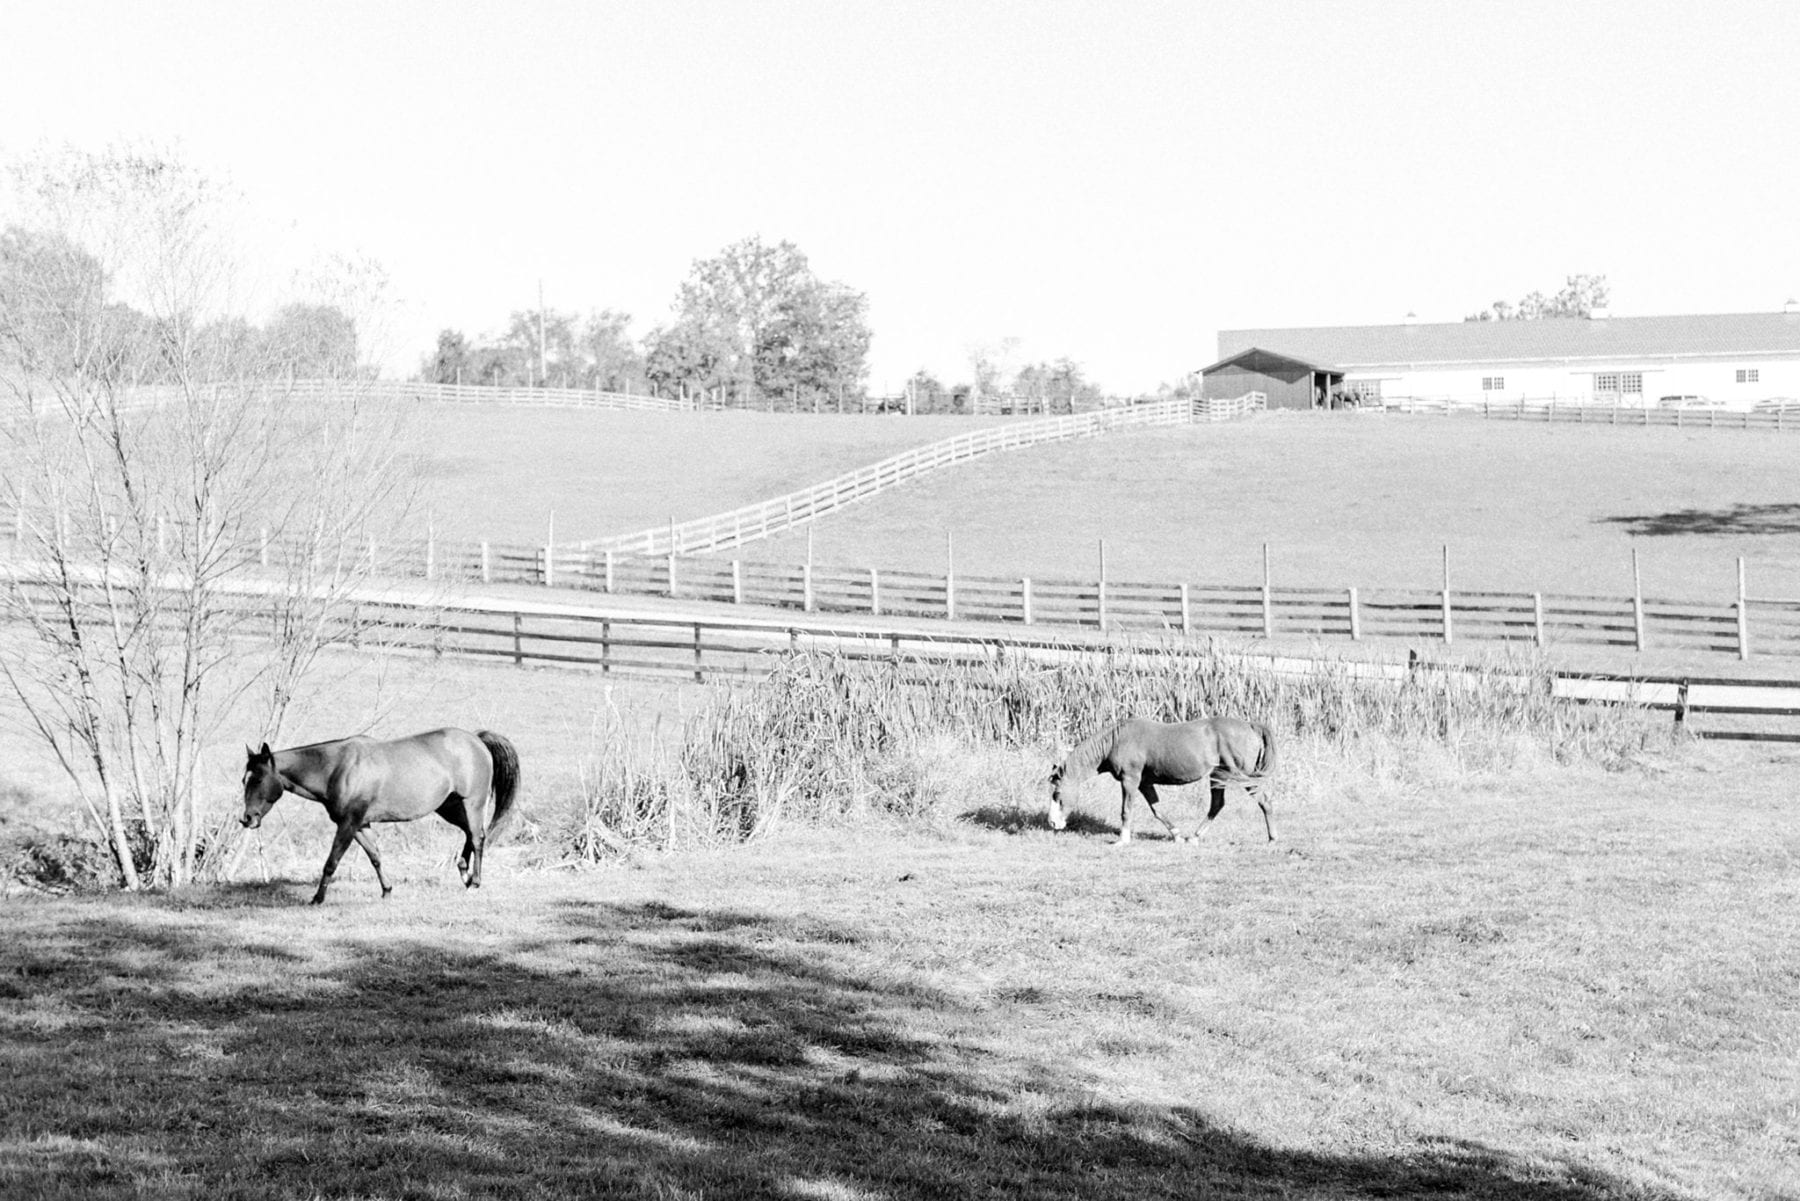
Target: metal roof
[
  {"x": 1551, "y": 339},
  {"x": 1257, "y": 358}
]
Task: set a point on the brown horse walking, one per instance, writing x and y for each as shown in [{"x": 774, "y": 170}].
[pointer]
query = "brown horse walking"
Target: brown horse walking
[
  {"x": 1142, "y": 754},
  {"x": 360, "y": 781}
]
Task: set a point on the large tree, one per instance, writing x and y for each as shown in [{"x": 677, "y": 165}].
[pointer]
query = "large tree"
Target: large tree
[{"x": 756, "y": 321}]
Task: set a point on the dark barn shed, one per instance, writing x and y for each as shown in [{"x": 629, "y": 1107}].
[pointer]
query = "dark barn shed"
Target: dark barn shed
[{"x": 1289, "y": 383}]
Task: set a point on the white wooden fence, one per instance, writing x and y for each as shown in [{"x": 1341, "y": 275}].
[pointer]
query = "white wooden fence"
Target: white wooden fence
[{"x": 750, "y": 522}]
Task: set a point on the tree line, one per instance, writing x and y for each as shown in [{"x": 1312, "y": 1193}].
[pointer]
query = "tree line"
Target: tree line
[{"x": 753, "y": 325}]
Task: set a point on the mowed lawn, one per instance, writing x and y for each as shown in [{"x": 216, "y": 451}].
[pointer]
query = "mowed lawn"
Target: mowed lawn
[
  {"x": 1569, "y": 986},
  {"x": 497, "y": 471},
  {"x": 1348, "y": 500}
]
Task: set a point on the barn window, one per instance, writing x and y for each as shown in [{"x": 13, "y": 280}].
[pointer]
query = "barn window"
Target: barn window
[
  {"x": 1493, "y": 383},
  {"x": 1632, "y": 383},
  {"x": 1608, "y": 381},
  {"x": 1748, "y": 375}
]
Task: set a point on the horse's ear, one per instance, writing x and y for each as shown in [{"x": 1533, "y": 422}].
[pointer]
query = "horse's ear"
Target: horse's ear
[{"x": 265, "y": 753}]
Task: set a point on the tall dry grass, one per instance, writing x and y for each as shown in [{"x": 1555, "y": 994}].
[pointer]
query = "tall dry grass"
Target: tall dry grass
[{"x": 827, "y": 739}]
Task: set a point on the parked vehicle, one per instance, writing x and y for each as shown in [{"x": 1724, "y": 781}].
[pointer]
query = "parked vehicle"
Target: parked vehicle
[{"x": 1689, "y": 400}]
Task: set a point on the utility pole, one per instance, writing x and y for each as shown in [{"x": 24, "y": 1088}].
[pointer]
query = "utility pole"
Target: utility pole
[{"x": 543, "y": 359}]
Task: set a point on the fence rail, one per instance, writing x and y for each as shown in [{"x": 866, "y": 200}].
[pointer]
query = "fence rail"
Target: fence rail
[
  {"x": 1751, "y": 624},
  {"x": 1586, "y": 410},
  {"x": 707, "y": 648},
  {"x": 722, "y": 531}
]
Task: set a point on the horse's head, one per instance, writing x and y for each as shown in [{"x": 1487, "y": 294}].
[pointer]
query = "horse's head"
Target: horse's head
[
  {"x": 262, "y": 785},
  {"x": 1058, "y": 815}
]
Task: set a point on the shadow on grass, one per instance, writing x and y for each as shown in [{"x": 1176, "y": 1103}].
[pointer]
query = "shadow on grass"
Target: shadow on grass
[
  {"x": 1783, "y": 518},
  {"x": 1009, "y": 819},
  {"x": 603, "y": 1050}
]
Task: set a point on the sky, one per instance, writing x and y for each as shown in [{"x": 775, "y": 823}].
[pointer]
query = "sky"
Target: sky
[{"x": 1110, "y": 182}]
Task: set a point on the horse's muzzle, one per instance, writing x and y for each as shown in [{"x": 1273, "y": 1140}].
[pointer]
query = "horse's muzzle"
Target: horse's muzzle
[{"x": 251, "y": 820}]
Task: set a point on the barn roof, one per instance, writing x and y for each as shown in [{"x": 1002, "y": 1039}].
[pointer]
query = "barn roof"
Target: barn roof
[
  {"x": 1256, "y": 358},
  {"x": 1609, "y": 339}
]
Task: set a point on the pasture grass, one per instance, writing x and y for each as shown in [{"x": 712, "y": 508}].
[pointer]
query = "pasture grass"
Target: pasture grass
[
  {"x": 1351, "y": 500},
  {"x": 1569, "y": 985}
]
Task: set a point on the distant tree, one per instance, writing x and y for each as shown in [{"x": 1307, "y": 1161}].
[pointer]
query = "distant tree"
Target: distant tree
[
  {"x": 929, "y": 394},
  {"x": 449, "y": 364},
  {"x": 610, "y": 360},
  {"x": 756, "y": 320},
  {"x": 1581, "y": 296},
  {"x": 311, "y": 341}
]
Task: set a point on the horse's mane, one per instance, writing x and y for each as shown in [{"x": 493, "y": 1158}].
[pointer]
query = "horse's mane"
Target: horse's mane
[{"x": 1087, "y": 755}]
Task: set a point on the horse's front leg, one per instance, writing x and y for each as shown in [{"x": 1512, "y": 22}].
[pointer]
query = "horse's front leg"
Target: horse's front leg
[
  {"x": 345, "y": 832},
  {"x": 1128, "y": 791},
  {"x": 1150, "y": 799},
  {"x": 367, "y": 842}
]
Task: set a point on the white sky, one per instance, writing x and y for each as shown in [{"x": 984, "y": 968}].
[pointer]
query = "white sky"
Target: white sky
[{"x": 1112, "y": 182}]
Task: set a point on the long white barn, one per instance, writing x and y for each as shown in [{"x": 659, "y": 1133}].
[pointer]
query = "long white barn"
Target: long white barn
[{"x": 1729, "y": 360}]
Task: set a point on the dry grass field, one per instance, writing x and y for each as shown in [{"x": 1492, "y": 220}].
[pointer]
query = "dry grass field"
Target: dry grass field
[{"x": 1568, "y": 985}]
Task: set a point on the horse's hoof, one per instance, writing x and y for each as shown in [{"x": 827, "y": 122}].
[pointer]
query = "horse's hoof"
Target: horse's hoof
[
  {"x": 386, "y": 893},
  {"x": 318, "y": 900}
]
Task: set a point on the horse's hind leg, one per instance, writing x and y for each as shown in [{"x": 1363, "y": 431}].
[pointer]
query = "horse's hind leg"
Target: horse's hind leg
[
  {"x": 367, "y": 842},
  {"x": 456, "y": 813},
  {"x": 1265, "y": 800},
  {"x": 1150, "y": 799},
  {"x": 1213, "y": 810}
]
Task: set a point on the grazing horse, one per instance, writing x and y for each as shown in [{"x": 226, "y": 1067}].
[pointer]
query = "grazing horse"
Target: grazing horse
[
  {"x": 361, "y": 781},
  {"x": 1141, "y": 754}
]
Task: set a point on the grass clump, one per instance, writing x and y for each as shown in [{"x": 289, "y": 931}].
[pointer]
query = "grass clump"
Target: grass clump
[{"x": 825, "y": 739}]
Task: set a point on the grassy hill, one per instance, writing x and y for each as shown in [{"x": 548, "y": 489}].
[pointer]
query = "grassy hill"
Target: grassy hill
[
  {"x": 496, "y": 471},
  {"x": 1360, "y": 501}
]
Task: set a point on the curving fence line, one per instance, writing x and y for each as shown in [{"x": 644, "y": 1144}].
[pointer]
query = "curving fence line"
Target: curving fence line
[{"x": 722, "y": 531}]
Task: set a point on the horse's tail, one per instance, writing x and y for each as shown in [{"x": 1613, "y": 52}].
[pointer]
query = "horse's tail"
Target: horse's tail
[
  {"x": 1265, "y": 762},
  {"x": 506, "y": 778}
]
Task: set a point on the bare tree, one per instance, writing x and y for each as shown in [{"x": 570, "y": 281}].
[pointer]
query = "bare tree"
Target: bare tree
[{"x": 190, "y": 534}]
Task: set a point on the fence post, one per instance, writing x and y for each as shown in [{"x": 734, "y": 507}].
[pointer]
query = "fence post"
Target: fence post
[
  {"x": 265, "y": 546},
  {"x": 699, "y": 675},
  {"x": 1743, "y": 613},
  {"x": 518, "y": 639},
  {"x": 874, "y": 593},
  {"x": 737, "y": 582},
  {"x": 430, "y": 551},
  {"x": 487, "y": 569},
  {"x": 949, "y": 576},
  {"x": 550, "y": 552},
  {"x": 1025, "y": 598},
  {"x": 1637, "y": 599},
  {"x": 1187, "y": 624},
  {"x": 1355, "y": 618},
  {"x": 1268, "y": 598},
  {"x": 806, "y": 588},
  {"x": 609, "y": 571},
  {"x": 1447, "y": 630},
  {"x": 605, "y": 647},
  {"x": 1537, "y": 615},
  {"x": 1681, "y": 706},
  {"x": 1102, "y": 584}
]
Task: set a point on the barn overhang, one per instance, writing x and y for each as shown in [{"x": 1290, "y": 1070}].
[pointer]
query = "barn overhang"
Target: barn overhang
[{"x": 1270, "y": 362}]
